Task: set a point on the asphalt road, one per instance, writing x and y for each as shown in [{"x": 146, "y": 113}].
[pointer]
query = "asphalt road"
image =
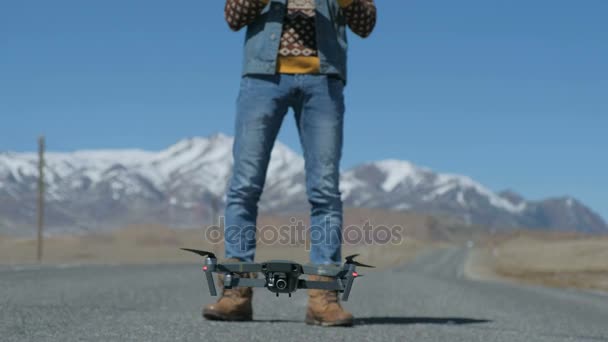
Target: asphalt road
[{"x": 427, "y": 300}]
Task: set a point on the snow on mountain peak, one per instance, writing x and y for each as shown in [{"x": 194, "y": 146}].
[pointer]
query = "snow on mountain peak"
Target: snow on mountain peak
[
  {"x": 201, "y": 162},
  {"x": 445, "y": 183},
  {"x": 569, "y": 202},
  {"x": 407, "y": 179},
  {"x": 398, "y": 172}
]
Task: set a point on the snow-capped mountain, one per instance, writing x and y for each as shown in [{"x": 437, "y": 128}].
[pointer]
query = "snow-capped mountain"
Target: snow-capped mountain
[
  {"x": 400, "y": 185},
  {"x": 184, "y": 185}
]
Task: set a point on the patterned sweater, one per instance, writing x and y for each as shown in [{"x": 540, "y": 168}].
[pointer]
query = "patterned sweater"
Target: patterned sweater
[{"x": 298, "y": 49}]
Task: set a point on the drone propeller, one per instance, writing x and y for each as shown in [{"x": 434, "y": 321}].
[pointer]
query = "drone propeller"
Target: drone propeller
[
  {"x": 201, "y": 253},
  {"x": 350, "y": 260}
]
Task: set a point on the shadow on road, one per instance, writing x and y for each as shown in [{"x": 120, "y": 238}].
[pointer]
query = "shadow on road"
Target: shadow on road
[
  {"x": 418, "y": 320},
  {"x": 277, "y": 321},
  {"x": 395, "y": 320}
]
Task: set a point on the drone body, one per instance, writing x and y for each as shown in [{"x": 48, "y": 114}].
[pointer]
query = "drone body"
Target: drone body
[{"x": 281, "y": 276}]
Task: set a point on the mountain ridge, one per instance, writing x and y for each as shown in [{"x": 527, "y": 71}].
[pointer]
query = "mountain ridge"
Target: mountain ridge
[{"x": 184, "y": 184}]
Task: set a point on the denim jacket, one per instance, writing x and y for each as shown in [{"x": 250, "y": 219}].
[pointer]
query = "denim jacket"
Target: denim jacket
[{"x": 263, "y": 38}]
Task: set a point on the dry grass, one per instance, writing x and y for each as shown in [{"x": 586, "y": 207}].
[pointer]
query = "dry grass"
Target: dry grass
[
  {"x": 157, "y": 244},
  {"x": 552, "y": 260},
  {"x": 137, "y": 244}
]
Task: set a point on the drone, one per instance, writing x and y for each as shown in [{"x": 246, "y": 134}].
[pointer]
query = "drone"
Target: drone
[{"x": 281, "y": 276}]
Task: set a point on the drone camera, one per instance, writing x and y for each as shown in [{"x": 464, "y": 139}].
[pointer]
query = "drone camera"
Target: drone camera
[
  {"x": 281, "y": 284},
  {"x": 282, "y": 277}
]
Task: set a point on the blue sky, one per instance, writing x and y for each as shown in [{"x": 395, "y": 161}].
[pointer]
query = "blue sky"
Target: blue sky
[{"x": 512, "y": 93}]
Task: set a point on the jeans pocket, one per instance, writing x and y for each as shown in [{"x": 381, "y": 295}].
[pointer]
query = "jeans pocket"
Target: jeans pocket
[
  {"x": 335, "y": 79},
  {"x": 335, "y": 87}
]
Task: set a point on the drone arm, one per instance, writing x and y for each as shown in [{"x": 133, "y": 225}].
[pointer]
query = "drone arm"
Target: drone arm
[
  {"x": 248, "y": 282},
  {"x": 320, "y": 285},
  {"x": 349, "y": 277},
  {"x": 241, "y": 267},
  {"x": 321, "y": 270},
  {"x": 210, "y": 283},
  {"x": 208, "y": 269},
  {"x": 344, "y": 278}
]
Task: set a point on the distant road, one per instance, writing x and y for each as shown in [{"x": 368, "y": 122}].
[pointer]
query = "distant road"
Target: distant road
[{"x": 427, "y": 300}]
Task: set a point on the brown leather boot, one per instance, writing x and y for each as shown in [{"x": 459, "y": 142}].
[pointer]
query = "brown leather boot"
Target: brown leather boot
[
  {"x": 324, "y": 307},
  {"x": 235, "y": 303}
]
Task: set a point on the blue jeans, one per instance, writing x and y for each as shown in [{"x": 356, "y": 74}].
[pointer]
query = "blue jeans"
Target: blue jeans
[{"x": 318, "y": 104}]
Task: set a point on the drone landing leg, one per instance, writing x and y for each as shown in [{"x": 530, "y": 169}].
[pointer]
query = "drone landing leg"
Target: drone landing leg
[
  {"x": 350, "y": 277},
  {"x": 208, "y": 269},
  {"x": 210, "y": 283}
]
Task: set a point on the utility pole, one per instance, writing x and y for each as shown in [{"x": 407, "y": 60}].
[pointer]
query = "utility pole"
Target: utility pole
[{"x": 40, "y": 197}]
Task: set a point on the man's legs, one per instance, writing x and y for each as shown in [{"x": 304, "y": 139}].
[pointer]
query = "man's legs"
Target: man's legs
[
  {"x": 261, "y": 106},
  {"x": 319, "y": 112},
  {"x": 320, "y": 115}
]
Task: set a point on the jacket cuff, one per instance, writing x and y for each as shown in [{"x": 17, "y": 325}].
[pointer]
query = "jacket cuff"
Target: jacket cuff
[{"x": 345, "y": 3}]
